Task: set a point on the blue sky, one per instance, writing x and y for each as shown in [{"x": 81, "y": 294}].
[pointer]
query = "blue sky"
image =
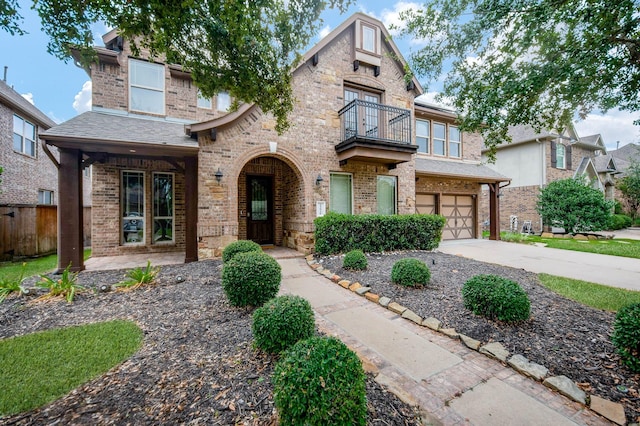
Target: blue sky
[{"x": 62, "y": 90}]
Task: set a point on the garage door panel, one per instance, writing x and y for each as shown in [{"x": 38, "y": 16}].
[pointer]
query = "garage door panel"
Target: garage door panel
[
  {"x": 459, "y": 211},
  {"x": 426, "y": 203}
]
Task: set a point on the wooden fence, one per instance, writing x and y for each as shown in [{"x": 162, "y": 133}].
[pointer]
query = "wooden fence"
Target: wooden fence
[{"x": 27, "y": 230}]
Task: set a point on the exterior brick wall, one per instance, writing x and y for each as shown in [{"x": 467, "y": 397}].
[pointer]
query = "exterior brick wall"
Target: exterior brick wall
[
  {"x": 24, "y": 175},
  {"x": 519, "y": 201}
]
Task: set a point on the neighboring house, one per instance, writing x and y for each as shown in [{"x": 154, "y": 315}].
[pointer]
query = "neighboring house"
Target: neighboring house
[
  {"x": 534, "y": 159},
  {"x": 624, "y": 156},
  {"x": 175, "y": 172}
]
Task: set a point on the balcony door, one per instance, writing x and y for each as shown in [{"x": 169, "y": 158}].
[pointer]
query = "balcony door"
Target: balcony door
[
  {"x": 364, "y": 120},
  {"x": 260, "y": 209}
]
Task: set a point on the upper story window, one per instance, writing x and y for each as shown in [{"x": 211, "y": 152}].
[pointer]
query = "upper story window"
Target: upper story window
[
  {"x": 146, "y": 87},
  {"x": 454, "y": 142},
  {"x": 368, "y": 48},
  {"x": 439, "y": 139},
  {"x": 560, "y": 156},
  {"x": 24, "y": 136},
  {"x": 422, "y": 135},
  {"x": 203, "y": 102},
  {"x": 368, "y": 38},
  {"x": 45, "y": 196},
  {"x": 223, "y": 101}
]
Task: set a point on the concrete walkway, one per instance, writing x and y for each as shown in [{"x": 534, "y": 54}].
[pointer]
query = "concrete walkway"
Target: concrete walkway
[
  {"x": 614, "y": 271},
  {"x": 450, "y": 383}
]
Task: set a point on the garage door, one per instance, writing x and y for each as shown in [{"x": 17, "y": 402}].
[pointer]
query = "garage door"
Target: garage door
[{"x": 458, "y": 209}]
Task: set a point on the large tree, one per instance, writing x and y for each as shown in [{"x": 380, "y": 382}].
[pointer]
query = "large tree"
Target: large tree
[
  {"x": 246, "y": 48},
  {"x": 629, "y": 186},
  {"x": 535, "y": 62}
]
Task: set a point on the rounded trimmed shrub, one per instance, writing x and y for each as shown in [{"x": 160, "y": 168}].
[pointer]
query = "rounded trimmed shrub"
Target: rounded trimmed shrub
[
  {"x": 251, "y": 278},
  {"x": 626, "y": 336},
  {"x": 240, "y": 246},
  {"x": 356, "y": 260},
  {"x": 410, "y": 272},
  {"x": 282, "y": 322},
  {"x": 320, "y": 381},
  {"x": 495, "y": 297}
]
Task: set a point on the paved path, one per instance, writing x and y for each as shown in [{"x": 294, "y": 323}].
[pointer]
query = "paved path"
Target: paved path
[
  {"x": 451, "y": 383},
  {"x": 614, "y": 271}
]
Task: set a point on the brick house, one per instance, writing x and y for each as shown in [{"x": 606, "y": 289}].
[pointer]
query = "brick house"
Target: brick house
[
  {"x": 534, "y": 159},
  {"x": 175, "y": 172}
]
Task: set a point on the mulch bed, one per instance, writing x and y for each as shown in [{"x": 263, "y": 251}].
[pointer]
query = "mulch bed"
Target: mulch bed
[
  {"x": 568, "y": 338},
  {"x": 196, "y": 365}
]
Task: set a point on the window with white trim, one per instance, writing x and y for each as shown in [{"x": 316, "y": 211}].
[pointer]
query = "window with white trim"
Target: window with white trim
[
  {"x": 439, "y": 139},
  {"x": 163, "y": 207},
  {"x": 341, "y": 193},
  {"x": 386, "y": 194},
  {"x": 454, "y": 142},
  {"x": 223, "y": 101},
  {"x": 132, "y": 207},
  {"x": 24, "y": 136},
  {"x": 560, "y": 156},
  {"x": 368, "y": 38},
  {"x": 204, "y": 102},
  {"x": 146, "y": 87},
  {"x": 45, "y": 196},
  {"x": 422, "y": 135}
]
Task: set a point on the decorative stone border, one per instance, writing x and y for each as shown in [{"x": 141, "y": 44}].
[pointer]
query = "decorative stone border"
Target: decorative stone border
[{"x": 562, "y": 384}]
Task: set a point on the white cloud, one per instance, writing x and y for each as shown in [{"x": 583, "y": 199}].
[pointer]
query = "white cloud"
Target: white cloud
[
  {"x": 28, "y": 97},
  {"x": 55, "y": 119},
  {"x": 614, "y": 126},
  {"x": 324, "y": 32},
  {"x": 82, "y": 100}
]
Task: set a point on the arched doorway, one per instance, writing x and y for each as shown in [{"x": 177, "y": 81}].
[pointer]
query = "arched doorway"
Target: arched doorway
[{"x": 271, "y": 202}]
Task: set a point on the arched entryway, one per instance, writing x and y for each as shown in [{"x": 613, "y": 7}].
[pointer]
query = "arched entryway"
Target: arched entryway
[{"x": 271, "y": 203}]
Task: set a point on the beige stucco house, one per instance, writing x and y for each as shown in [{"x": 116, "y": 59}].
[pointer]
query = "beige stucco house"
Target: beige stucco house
[{"x": 175, "y": 172}]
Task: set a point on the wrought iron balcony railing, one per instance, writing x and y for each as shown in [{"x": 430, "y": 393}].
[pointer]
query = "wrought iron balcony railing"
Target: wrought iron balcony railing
[{"x": 370, "y": 121}]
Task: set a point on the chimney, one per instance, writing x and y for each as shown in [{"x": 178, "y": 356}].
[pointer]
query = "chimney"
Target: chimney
[
  {"x": 617, "y": 144},
  {"x": 5, "y": 74}
]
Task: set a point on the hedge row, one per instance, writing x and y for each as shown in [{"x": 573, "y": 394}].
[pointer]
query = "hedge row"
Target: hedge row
[{"x": 340, "y": 233}]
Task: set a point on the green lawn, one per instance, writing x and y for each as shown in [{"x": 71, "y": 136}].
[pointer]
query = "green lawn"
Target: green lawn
[
  {"x": 38, "y": 368},
  {"x": 615, "y": 247},
  {"x": 37, "y": 266},
  {"x": 595, "y": 295}
]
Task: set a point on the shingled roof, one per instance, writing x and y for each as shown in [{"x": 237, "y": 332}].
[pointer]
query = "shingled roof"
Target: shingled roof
[
  {"x": 453, "y": 169},
  {"x": 16, "y": 102}
]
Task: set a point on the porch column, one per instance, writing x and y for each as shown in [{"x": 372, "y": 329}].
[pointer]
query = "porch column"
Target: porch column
[
  {"x": 191, "y": 208},
  {"x": 70, "y": 223},
  {"x": 494, "y": 211}
]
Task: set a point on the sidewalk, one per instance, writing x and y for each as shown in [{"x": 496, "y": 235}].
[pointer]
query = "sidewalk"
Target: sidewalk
[
  {"x": 614, "y": 271},
  {"x": 451, "y": 384}
]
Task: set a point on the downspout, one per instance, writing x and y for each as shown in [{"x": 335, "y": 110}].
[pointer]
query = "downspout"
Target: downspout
[{"x": 543, "y": 172}]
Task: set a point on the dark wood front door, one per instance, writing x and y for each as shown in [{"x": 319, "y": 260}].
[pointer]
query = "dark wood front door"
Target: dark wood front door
[{"x": 260, "y": 209}]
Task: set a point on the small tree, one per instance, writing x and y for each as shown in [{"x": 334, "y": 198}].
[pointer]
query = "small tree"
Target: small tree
[
  {"x": 573, "y": 205},
  {"x": 629, "y": 186}
]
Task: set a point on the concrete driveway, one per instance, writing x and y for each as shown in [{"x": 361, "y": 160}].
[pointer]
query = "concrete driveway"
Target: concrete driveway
[{"x": 613, "y": 271}]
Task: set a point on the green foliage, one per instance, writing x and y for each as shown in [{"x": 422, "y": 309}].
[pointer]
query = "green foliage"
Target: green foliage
[
  {"x": 320, "y": 381},
  {"x": 619, "y": 221},
  {"x": 139, "y": 276},
  {"x": 240, "y": 246},
  {"x": 626, "y": 336},
  {"x": 65, "y": 286},
  {"x": 629, "y": 186},
  {"x": 41, "y": 367},
  {"x": 341, "y": 233},
  {"x": 282, "y": 322},
  {"x": 250, "y": 279},
  {"x": 10, "y": 285},
  {"x": 355, "y": 260},
  {"x": 250, "y": 47},
  {"x": 571, "y": 204},
  {"x": 527, "y": 62},
  {"x": 495, "y": 297},
  {"x": 595, "y": 295},
  {"x": 410, "y": 272}
]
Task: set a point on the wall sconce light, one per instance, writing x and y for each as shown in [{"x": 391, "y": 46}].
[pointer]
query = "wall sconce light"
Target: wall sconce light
[
  {"x": 219, "y": 175},
  {"x": 319, "y": 179}
]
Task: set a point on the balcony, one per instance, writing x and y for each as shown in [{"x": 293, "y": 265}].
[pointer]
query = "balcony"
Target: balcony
[{"x": 375, "y": 132}]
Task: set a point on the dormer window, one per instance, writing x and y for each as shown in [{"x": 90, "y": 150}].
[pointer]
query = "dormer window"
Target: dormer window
[
  {"x": 367, "y": 43},
  {"x": 368, "y": 38}
]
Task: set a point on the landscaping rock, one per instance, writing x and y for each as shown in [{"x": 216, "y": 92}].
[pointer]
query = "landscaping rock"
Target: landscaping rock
[
  {"x": 344, "y": 283},
  {"x": 362, "y": 290},
  {"x": 355, "y": 286},
  {"x": 495, "y": 350},
  {"x": 384, "y": 301},
  {"x": 451, "y": 332},
  {"x": 546, "y": 235},
  {"x": 469, "y": 342},
  {"x": 336, "y": 278},
  {"x": 372, "y": 297},
  {"x": 432, "y": 323},
  {"x": 611, "y": 410},
  {"x": 566, "y": 387},
  {"x": 327, "y": 273},
  {"x": 412, "y": 316},
  {"x": 528, "y": 368},
  {"x": 397, "y": 308},
  {"x": 580, "y": 237}
]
